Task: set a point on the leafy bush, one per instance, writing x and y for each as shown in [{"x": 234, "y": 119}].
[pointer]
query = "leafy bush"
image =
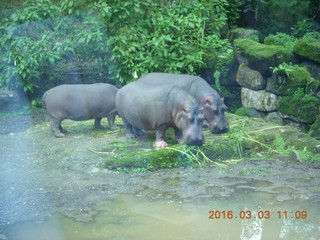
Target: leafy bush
[
  {"x": 280, "y": 39},
  {"x": 46, "y": 44}
]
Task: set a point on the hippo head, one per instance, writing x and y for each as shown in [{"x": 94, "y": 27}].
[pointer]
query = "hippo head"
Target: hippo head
[
  {"x": 188, "y": 120},
  {"x": 213, "y": 111}
]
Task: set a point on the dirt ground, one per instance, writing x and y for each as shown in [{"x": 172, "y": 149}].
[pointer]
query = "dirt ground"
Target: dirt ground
[{"x": 41, "y": 175}]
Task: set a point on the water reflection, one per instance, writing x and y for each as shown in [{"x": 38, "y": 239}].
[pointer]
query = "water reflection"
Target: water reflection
[{"x": 138, "y": 217}]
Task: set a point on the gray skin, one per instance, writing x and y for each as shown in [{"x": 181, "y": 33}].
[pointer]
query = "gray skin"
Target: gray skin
[
  {"x": 80, "y": 102},
  {"x": 211, "y": 104},
  {"x": 144, "y": 106}
]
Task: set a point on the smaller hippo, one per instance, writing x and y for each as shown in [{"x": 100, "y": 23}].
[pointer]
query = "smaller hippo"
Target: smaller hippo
[
  {"x": 80, "y": 102},
  {"x": 148, "y": 107},
  {"x": 210, "y": 102}
]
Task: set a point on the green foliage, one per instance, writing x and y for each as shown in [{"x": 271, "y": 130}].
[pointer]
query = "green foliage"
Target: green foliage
[
  {"x": 117, "y": 39},
  {"x": 280, "y": 15},
  {"x": 37, "y": 40},
  {"x": 280, "y": 39},
  {"x": 176, "y": 39},
  {"x": 304, "y": 27}
]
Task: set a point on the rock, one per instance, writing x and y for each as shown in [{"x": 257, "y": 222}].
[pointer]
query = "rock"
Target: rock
[
  {"x": 11, "y": 101},
  {"x": 261, "y": 57},
  {"x": 248, "y": 78},
  {"x": 275, "y": 118},
  {"x": 315, "y": 128},
  {"x": 244, "y": 33},
  {"x": 230, "y": 77},
  {"x": 248, "y": 112},
  {"x": 295, "y": 156},
  {"x": 303, "y": 127},
  {"x": 312, "y": 68},
  {"x": 281, "y": 83},
  {"x": 308, "y": 48},
  {"x": 260, "y": 100},
  {"x": 303, "y": 109}
]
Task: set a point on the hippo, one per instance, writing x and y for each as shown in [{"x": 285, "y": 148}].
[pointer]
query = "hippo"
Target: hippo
[
  {"x": 211, "y": 104},
  {"x": 147, "y": 107},
  {"x": 80, "y": 102}
]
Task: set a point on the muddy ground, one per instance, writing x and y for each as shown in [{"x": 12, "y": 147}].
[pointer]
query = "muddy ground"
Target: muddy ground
[{"x": 41, "y": 175}]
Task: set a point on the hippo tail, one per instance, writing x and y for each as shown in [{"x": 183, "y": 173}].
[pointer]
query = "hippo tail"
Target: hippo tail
[{"x": 43, "y": 102}]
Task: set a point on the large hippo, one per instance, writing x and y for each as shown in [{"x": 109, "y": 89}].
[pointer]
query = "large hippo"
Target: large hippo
[
  {"x": 148, "y": 107},
  {"x": 211, "y": 104},
  {"x": 80, "y": 102}
]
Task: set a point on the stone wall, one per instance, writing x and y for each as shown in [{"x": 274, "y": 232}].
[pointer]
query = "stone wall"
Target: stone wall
[{"x": 287, "y": 96}]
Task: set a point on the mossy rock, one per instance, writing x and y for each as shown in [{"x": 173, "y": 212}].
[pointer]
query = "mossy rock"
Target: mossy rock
[
  {"x": 287, "y": 83},
  {"x": 315, "y": 128},
  {"x": 244, "y": 33},
  {"x": 261, "y": 56},
  {"x": 303, "y": 109},
  {"x": 248, "y": 112},
  {"x": 308, "y": 48}
]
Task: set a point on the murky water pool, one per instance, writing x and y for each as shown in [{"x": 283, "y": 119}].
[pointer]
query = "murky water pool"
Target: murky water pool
[{"x": 246, "y": 214}]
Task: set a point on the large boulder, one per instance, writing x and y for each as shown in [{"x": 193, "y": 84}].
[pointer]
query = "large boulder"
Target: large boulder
[
  {"x": 286, "y": 83},
  {"x": 300, "y": 109},
  {"x": 248, "y": 78},
  {"x": 261, "y": 57},
  {"x": 308, "y": 48},
  {"x": 259, "y": 100}
]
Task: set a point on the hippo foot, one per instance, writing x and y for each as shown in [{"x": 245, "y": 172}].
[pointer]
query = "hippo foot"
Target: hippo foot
[
  {"x": 160, "y": 144},
  {"x": 140, "y": 133},
  {"x": 59, "y": 135},
  {"x": 130, "y": 136},
  {"x": 63, "y": 130},
  {"x": 113, "y": 128}
]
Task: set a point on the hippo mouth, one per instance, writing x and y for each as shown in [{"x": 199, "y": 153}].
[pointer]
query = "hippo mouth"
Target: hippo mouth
[{"x": 195, "y": 142}]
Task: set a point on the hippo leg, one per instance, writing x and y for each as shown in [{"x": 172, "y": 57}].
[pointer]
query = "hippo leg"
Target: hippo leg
[
  {"x": 111, "y": 122},
  {"x": 129, "y": 130},
  {"x": 97, "y": 123},
  {"x": 160, "y": 143},
  {"x": 138, "y": 131},
  {"x": 62, "y": 129},
  {"x": 178, "y": 134},
  {"x": 55, "y": 126}
]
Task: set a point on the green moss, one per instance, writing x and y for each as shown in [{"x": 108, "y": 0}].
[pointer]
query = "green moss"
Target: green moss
[
  {"x": 261, "y": 51},
  {"x": 304, "y": 109},
  {"x": 315, "y": 128},
  {"x": 281, "y": 39},
  {"x": 288, "y": 78},
  {"x": 261, "y": 56},
  {"x": 309, "y": 48},
  {"x": 243, "y": 111}
]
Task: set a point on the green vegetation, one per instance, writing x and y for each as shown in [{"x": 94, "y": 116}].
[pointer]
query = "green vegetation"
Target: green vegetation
[
  {"x": 246, "y": 139},
  {"x": 47, "y": 43},
  {"x": 308, "y": 48},
  {"x": 261, "y": 51},
  {"x": 295, "y": 77},
  {"x": 280, "y": 39},
  {"x": 315, "y": 128},
  {"x": 299, "y": 106}
]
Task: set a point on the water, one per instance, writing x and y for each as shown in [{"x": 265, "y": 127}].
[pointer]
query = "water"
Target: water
[{"x": 245, "y": 215}]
